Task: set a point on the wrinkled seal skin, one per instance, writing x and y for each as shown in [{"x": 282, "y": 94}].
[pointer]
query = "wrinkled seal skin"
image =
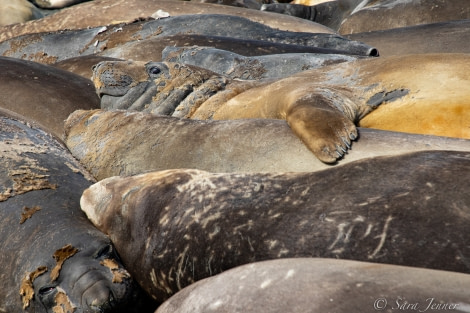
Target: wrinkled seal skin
[
  {"x": 179, "y": 226},
  {"x": 259, "y": 67},
  {"x": 40, "y": 217},
  {"x": 321, "y": 106},
  {"x": 321, "y": 285},
  {"x": 57, "y": 46},
  {"x": 387, "y": 14},
  {"x": 106, "y": 12},
  {"x": 111, "y": 143},
  {"x": 43, "y": 95},
  {"x": 444, "y": 37}
]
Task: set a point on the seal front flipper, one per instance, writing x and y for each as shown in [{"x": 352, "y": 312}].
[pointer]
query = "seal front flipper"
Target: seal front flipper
[{"x": 324, "y": 129}]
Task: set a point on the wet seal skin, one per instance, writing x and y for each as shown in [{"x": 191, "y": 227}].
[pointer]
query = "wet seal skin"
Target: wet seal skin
[
  {"x": 322, "y": 106},
  {"x": 119, "y": 142},
  {"x": 52, "y": 256},
  {"x": 179, "y": 226},
  {"x": 323, "y": 285}
]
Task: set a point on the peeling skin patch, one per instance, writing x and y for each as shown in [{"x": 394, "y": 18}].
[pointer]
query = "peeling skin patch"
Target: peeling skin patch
[
  {"x": 63, "y": 303},
  {"x": 118, "y": 273},
  {"x": 60, "y": 256},
  {"x": 28, "y": 212},
  {"x": 26, "y": 289}
]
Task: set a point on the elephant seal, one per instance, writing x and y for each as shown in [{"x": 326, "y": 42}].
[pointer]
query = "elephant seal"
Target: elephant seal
[
  {"x": 444, "y": 37},
  {"x": 257, "y": 67},
  {"x": 82, "y": 65},
  {"x": 372, "y": 15},
  {"x": 178, "y": 226},
  {"x": 57, "y": 46},
  {"x": 323, "y": 285},
  {"x": 111, "y": 143},
  {"x": 17, "y": 11},
  {"x": 106, "y": 12},
  {"x": 43, "y": 95},
  {"x": 320, "y": 105},
  {"x": 53, "y": 259}
]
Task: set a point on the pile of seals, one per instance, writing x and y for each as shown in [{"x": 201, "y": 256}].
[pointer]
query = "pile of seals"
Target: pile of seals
[{"x": 183, "y": 156}]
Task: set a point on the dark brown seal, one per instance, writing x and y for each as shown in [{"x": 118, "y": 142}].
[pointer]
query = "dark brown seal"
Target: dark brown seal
[
  {"x": 178, "y": 226},
  {"x": 53, "y": 259}
]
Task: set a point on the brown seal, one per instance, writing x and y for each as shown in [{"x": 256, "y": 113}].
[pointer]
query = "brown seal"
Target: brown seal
[
  {"x": 43, "y": 95},
  {"x": 110, "y": 143},
  {"x": 176, "y": 227},
  {"x": 323, "y": 285},
  {"x": 18, "y": 11},
  {"x": 321, "y": 105}
]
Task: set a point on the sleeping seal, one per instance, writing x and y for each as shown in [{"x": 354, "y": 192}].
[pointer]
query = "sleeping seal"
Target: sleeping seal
[
  {"x": 117, "y": 142},
  {"x": 176, "y": 227},
  {"x": 53, "y": 259}
]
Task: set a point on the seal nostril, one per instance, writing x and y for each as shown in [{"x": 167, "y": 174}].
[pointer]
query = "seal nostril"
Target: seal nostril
[
  {"x": 46, "y": 290},
  {"x": 104, "y": 252}
]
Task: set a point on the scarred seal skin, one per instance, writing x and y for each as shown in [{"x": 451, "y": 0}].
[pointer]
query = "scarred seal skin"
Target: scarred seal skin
[
  {"x": 53, "y": 259},
  {"x": 56, "y": 46},
  {"x": 424, "y": 94},
  {"x": 176, "y": 227},
  {"x": 323, "y": 285},
  {"x": 118, "y": 142},
  {"x": 43, "y": 95}
]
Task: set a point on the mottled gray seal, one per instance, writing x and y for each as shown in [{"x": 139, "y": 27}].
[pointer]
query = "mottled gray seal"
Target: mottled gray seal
[
  {"x": 320, "y": 105},
  {"x": 53, "y": 259},
  {"x": 110, "y": 143},
  {"x": 17, "y": 11},
  {"x": 57, "y": 46},
  {"x": 323, "y": 285},
  {"x": 257, "y": 67},
  {"x": 43, "y": 95},
  {"x": 178, "y": 226},
  {"x": 106, "y": 12}
]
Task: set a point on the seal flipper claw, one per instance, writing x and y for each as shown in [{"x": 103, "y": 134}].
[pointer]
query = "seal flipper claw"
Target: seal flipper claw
[{"x": 321, "y": 127}]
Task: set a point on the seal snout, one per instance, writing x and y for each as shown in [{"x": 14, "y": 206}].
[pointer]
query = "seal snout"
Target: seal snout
[{"x": 103, "y": 301}]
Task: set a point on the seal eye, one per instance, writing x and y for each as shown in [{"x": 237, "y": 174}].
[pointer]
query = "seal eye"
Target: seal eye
[
  {"x": 154, "y": 70},
  {"x": 44, "y": 291}
]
